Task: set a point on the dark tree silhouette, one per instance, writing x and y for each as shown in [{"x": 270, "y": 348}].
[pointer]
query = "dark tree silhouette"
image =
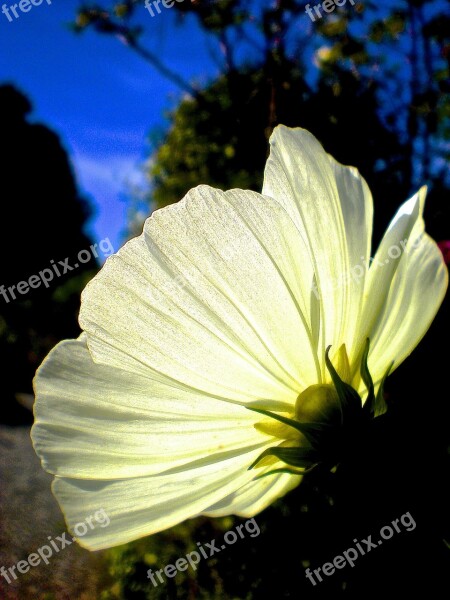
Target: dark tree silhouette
[{"x": 42, "y": 218}]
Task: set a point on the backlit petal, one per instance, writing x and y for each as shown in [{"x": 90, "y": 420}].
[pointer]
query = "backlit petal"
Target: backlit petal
[
  {"x": 210, "y": 296},
  {"x": 97, "y": 422},
  {"x": 331, "y": 206}
]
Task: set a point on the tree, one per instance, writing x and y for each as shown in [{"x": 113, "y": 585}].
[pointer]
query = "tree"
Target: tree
[
  {"x": 221, "y": 139},
  {"x": 398, "y": 48},
  {"x": 42, "y": 221}
]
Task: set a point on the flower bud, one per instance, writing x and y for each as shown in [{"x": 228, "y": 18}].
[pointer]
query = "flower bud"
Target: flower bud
[{"x": 319, "y": 403}]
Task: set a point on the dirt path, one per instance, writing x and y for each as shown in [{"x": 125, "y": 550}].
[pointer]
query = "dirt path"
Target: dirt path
[{"x": 28, "y": 515}]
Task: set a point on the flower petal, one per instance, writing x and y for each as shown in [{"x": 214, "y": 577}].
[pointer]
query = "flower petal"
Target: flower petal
[
  {"x": 385, "y": 261},
  {"x": 406, "y": 286},
  {"x": 332, "y": 208},
  {"x": 255, "y": 496},
  {"x": 209, "y": 296},
  {"x": 114, "y": 424},
  {"x": 145, "y": 505}
]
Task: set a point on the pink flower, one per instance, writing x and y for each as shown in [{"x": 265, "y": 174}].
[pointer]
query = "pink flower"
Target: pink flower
[{"x": 444, "y": 247}]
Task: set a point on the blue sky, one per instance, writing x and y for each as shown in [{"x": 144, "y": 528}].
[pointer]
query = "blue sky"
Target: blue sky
[{"x": 98, "y": 96}]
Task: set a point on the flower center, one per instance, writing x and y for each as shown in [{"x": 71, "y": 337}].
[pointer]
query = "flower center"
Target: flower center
[
  {"x": 319, "y": 403},
  {"x": 326, "y": 420}
]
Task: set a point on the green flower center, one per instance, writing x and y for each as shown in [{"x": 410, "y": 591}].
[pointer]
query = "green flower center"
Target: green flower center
[
  {"x": 326, "y": 421},
  {"x": 318, "y": 403}
]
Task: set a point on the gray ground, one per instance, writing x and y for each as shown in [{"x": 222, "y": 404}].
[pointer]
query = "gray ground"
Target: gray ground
[{"x": 28, "y": 515}]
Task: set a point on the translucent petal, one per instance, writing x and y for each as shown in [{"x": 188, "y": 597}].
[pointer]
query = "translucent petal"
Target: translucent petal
[
  {"x": 210, "y": 297},
  {"x": 332, "y": 208},
  {"x": 97, "y": 422}
]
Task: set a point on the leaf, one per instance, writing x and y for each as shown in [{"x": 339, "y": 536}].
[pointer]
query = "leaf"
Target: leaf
[
  {"x": 313, "y": 432},
  {"x": 284, "y": 470},
  {"x": 348, "y": 397},
  {"x": 380, "y": 403},
  {"x": 369, "y": 406},
  {"x": 296, "y": 457}
]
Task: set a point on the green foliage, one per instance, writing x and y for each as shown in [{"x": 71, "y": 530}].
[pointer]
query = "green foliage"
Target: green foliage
[
  {"x": 221, "y": 137},
  {"x": 214, "y": 139},
  {"x": 398, "y": 49},
  {"x": 253, "y": 568},
  {"x": 128, "y": 564},
  {"x": 403, "y": 47}
]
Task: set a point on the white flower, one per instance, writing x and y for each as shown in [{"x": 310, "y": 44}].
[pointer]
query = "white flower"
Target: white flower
[{"x": 225, "y": 302}]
